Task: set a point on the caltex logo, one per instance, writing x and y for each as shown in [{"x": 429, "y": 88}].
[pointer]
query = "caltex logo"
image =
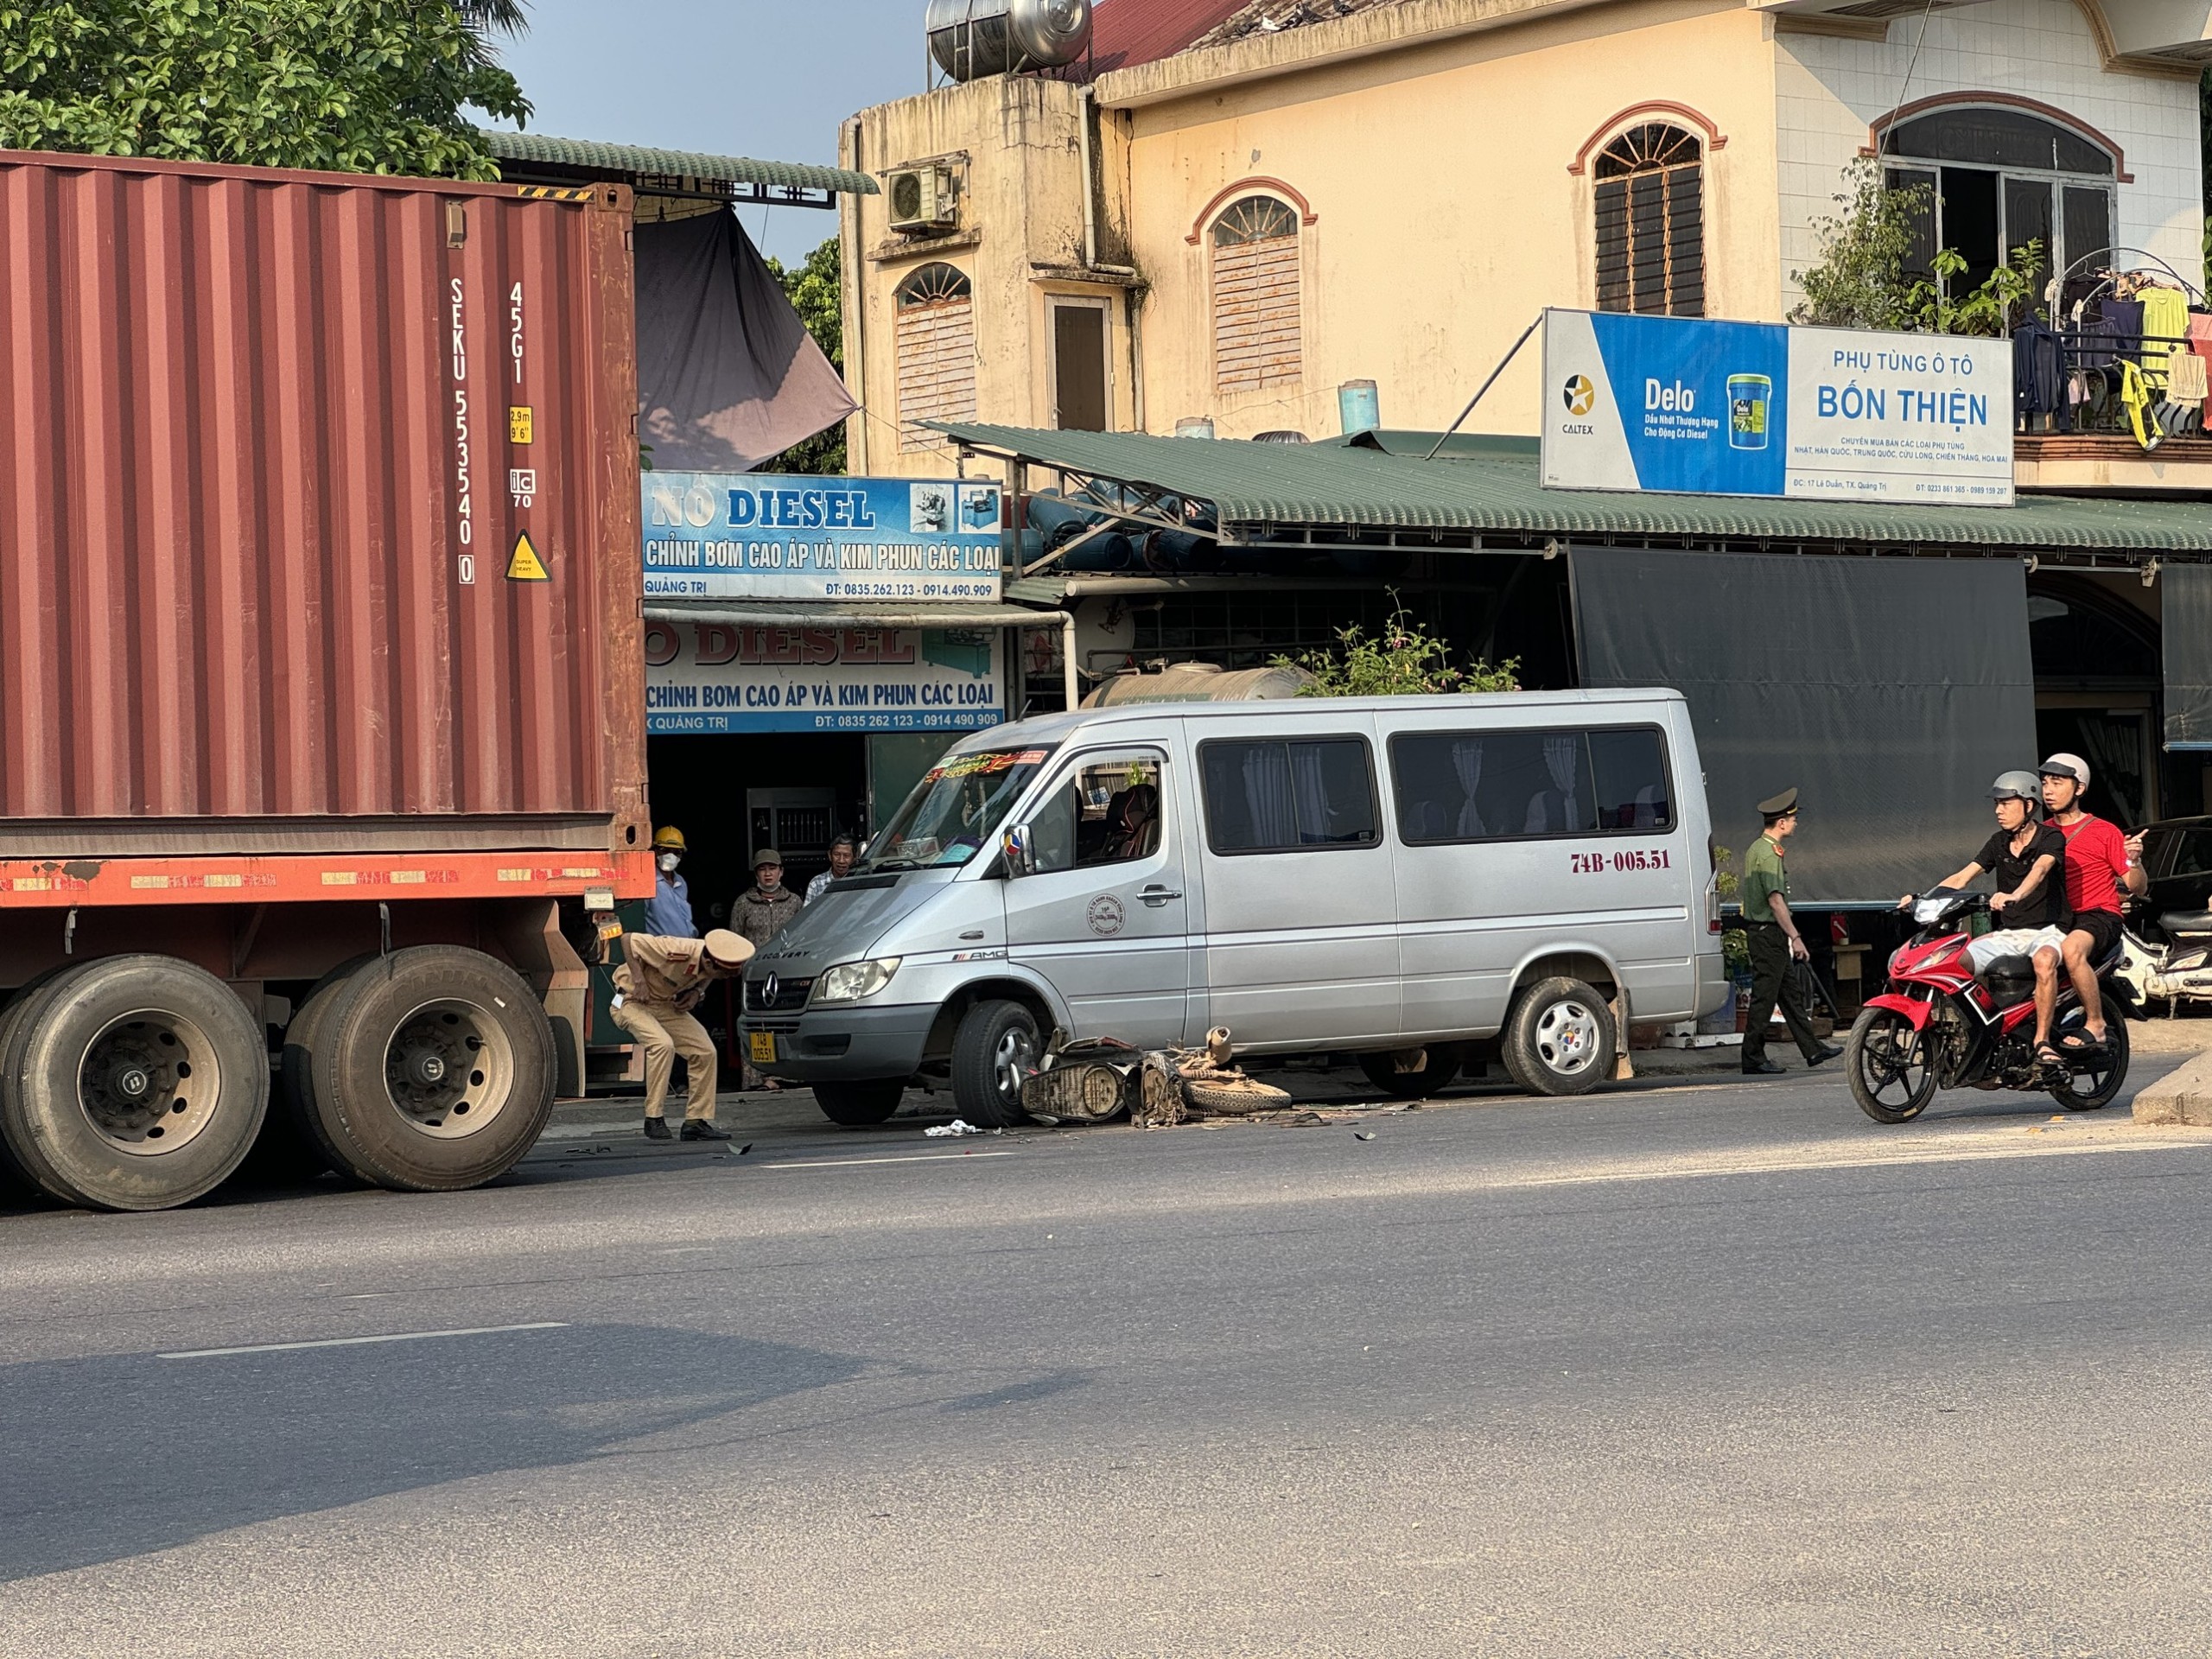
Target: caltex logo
[{"x": 1581, "y": 396}]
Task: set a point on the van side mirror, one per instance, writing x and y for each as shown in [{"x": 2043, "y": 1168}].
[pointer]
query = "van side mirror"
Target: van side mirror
[{"x": 1014, "y": 848}]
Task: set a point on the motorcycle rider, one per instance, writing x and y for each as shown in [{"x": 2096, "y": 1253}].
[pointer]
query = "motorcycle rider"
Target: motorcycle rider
[
  {"x": 2099, "y": 861},
  {"x": 2024, "y": 856}
]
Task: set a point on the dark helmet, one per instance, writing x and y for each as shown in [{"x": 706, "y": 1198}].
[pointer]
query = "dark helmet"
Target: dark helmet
[{"x": 2017, "y": 785}]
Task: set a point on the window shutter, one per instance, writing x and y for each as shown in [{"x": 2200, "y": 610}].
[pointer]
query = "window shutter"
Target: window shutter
[
  {"x": 936, "y": 367},
  {"x": 1255, "y": 309},
  {"x": 1649, "y": 223}
]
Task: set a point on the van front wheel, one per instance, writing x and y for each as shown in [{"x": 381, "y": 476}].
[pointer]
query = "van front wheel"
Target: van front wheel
[
  {"x": 993, "y": 1052},
  {"x": 1559, "y": 1038}
]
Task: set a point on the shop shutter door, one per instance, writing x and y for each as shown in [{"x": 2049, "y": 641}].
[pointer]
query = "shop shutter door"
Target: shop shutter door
[
  {"x": 937, "y": 368},
  {"x": 2186, "y": 602},
  {"x": 1255, "y": 314},
  {"x": 1851, "y": 677}
]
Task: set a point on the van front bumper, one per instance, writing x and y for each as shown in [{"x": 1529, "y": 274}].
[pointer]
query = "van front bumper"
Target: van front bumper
[{"x": 843, "y": 1045}]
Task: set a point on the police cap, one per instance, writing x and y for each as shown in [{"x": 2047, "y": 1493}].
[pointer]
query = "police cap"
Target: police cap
[{"x": 1779, "y": 806}]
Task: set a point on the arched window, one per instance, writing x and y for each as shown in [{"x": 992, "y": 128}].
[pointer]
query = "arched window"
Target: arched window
[
  {"x": 1998, "y": 176},
  {"x": 1650, "y": 202},
  {"x": 1255, "y": 307},
  {"x": 936, "y": 339}
]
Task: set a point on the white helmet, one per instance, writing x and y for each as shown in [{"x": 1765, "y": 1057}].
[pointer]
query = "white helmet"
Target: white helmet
[{"x": 2067, "y": 766}]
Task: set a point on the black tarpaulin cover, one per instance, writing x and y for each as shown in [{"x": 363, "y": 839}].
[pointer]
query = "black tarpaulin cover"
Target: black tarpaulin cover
[
  {"x": 1891, "y": 691},
  {"x": 2185, "y": 620},
  {"x": 727, "y": 376}
]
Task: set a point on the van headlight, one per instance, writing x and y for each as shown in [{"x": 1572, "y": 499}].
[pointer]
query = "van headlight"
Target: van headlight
[{"x": 848, "y": 982}]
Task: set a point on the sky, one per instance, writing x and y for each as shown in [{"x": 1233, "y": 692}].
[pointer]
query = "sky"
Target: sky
[{"x": 768, "y": 78}]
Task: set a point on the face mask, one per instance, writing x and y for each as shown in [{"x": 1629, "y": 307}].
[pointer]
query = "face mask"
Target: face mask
[{"x": 669, "y": 861}]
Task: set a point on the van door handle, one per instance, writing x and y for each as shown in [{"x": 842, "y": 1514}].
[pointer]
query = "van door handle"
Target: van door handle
[{"x": 1155, "y": 895}]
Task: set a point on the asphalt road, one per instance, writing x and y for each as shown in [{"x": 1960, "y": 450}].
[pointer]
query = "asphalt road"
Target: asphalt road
[{"x": 1681, "y": 1368}]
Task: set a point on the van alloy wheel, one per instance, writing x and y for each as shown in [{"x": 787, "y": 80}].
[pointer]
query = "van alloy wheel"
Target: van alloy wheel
[{"x": 1559, "y": 1038}]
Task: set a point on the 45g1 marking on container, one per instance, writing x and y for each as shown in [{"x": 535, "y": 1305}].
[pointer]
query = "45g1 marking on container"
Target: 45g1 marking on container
[{"x": 1628, "y": 859}]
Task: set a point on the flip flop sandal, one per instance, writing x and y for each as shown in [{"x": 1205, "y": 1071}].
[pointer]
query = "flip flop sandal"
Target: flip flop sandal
[{"x": 2077, "y": 1045}]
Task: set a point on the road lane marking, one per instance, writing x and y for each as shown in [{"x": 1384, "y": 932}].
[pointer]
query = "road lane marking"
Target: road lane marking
[
  {"x": 357, "y": 1342},
  {"x": 849, "y": 1163}
]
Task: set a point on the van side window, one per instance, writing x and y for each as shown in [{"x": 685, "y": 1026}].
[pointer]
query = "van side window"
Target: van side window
[
  {"x": 1288, "y": 795},
  {"x": 1499, "y": 786},
  {"x": 1107, "y": 811}
]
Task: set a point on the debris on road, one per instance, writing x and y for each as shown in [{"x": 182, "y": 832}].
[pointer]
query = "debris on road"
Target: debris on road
[
  {"x": 958, "y": 1126},
  {"x": 1362, "y": 1135}
]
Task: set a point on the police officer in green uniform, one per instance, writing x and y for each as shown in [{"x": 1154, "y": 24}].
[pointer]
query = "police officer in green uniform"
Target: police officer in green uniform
[{"x": 1771, "y": 932}]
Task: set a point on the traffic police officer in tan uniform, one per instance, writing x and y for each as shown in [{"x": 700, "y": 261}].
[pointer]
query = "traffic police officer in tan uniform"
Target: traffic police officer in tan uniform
[
  {"x": 1771, "y": 933},
  {"x": 658, "y": 984}
]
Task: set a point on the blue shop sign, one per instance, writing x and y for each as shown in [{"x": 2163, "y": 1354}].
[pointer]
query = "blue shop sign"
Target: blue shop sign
[
  {"x": 756, "y": 536},
  {"x": 1686, "y": 405}
]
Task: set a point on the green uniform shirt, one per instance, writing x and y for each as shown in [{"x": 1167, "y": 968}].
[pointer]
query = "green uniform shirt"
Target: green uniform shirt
[{"x": 1763, "y": 877}]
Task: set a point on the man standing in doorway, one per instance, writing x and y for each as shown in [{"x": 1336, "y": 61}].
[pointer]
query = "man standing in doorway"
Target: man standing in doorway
[
  {"x": 843, "y": 851},
  {"x": 668, "y": 913},
  {"x": 762, "y": 911},
  {"x": 658, "y": 984},
  {"x": 2100, "y": 861},
  {"x": 1771, "y": 933}
]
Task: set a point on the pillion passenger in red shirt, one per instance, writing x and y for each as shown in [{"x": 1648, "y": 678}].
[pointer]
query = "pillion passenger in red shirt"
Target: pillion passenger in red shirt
[{"x": 2100, "y": 861}]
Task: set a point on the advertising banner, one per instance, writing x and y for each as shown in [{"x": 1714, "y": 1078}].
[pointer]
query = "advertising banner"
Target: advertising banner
[
  {"x": 713, "y": 677},
  {"x": 758, "y": 536},
  {"x": 1684, "y": 405}
]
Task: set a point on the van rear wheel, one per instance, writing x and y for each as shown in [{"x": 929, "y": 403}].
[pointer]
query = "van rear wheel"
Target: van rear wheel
[
  {"x": 992, "y": 1051},
  {"x": 857, "y": 1105},
  {"x": 1559, "y": 1037}
]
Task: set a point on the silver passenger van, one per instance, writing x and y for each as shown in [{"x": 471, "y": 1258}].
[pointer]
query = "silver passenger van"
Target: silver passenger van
[{"x": 1428, "y": 883}]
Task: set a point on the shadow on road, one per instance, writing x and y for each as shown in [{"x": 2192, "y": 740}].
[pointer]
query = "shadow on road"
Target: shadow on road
[{"x": 107, "y": 1458}]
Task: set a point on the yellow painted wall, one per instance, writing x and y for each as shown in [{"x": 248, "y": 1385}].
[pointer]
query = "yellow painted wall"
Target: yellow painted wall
[{"x": 1446, "y": 216}]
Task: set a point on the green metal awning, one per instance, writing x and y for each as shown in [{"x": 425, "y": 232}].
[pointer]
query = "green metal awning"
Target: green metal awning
[
  {"x": 1342, "y": 492},
  {"x": 533, "y": 149}
]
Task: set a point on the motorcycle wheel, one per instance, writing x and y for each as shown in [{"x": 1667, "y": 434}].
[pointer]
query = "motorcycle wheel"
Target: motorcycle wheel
[
  {"x": 1892, "y": 1071},
  {"x": 2088, "y": 1090}
]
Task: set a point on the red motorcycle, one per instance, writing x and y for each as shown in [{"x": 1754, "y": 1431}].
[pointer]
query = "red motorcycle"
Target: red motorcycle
[{"x": 1938, "y": 1024}]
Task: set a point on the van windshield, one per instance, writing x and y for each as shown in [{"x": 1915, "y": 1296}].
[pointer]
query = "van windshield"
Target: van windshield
[{"x": 954, "y": 811}]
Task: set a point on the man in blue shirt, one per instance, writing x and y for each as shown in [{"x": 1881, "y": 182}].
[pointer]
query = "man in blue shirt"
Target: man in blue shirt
[{"x": 668, "y": 914}]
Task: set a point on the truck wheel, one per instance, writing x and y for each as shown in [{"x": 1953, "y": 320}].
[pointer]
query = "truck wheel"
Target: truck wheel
[
  {"x": 1439, "y": 1065},
  {"x": 295, "y": 1070},
  {"x": 1559, "y": 1038},
  {"x": 856, "y": 1105},
  {"x": 996, "y": 1045},
  {"x": 10, "y": 1014},
  {"x": 428, "y": 1070},
  {"x": 132, "y": 1082}
]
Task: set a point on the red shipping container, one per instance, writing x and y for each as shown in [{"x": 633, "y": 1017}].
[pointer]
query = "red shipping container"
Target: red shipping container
[{"x": 318, "y": 523}]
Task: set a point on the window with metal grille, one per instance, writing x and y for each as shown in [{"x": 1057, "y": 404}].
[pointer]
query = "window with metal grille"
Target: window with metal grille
[
  {"x": 936, "y": 343},
  {"x": 1256, "y": 308},
  {"x": 1650, "y": 202}
]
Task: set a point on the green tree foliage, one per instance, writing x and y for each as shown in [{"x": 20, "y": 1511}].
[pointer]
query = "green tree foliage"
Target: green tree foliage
[
  {"x": 817, "y": 293},
  {"x": 1860, "y": 282},
  {"x": 341, "y": 85},
  {"x": 1863, "y": 280},
  {"x": 1403, "y": 660}
]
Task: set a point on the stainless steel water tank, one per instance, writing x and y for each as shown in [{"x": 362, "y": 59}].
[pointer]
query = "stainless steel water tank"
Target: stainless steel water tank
[{"x": 971, "y": 39}]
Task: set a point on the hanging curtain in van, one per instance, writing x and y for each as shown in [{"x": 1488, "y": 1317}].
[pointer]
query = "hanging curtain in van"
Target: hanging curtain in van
[
  {"x": 2185, "y": 620},
  {"x": 1889, "y": 690}
]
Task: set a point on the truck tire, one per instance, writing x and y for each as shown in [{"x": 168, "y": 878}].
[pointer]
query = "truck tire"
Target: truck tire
[
  {"x": 856, "y": 1105},
  {"x": 132, "y": 1082},
  {"x": 296, "y": 1070},
  {"x": 1559, "y": 1037},
  {"x": 428, "y": 1070},
  {"x": 1439, "y": 1065},
  {"x": 10, "y": 1012},
  {"x": 997, "y": 1042}
]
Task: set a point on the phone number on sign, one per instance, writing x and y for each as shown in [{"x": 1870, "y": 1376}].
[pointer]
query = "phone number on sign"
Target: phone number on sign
[
  {"x": 1650, "y": 858},
  {"x": 962, "y": 720}
]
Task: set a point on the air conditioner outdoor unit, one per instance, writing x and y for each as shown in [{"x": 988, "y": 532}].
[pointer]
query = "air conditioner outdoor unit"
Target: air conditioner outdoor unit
[{"x": 921, "y": 199}]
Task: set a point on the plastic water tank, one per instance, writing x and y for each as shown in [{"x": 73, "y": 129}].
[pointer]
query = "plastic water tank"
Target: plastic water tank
[{"x": 971, "y": 39}]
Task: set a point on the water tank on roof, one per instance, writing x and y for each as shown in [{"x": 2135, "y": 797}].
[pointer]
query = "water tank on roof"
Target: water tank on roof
[{"x": 971, "y": 39}]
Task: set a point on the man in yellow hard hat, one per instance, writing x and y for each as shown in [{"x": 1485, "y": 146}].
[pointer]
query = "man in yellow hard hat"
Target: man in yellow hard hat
[
  {"x": 658, "y": 985},
  {"x": 668, "y": 914}
]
